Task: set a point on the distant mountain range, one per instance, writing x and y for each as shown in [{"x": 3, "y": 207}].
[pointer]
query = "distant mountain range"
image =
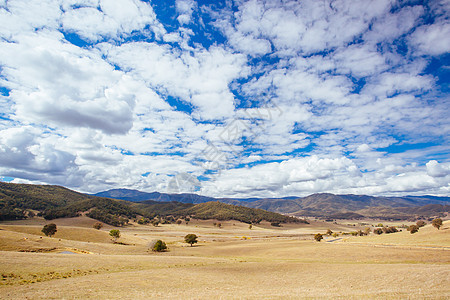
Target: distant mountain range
[{"x": 316, "y": 205}]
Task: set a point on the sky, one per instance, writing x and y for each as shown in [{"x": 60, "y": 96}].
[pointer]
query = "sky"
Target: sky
[{"x": 227, "y": 98}]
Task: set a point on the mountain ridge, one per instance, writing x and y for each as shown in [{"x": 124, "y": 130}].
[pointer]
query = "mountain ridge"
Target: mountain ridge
[{"x": 315, "y": 205}]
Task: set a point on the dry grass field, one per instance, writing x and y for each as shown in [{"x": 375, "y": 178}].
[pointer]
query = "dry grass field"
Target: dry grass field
[{"x": 80, "y": 262}]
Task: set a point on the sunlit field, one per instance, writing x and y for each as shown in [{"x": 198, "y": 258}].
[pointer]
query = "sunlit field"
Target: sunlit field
[{"x": 229, "y": 262}]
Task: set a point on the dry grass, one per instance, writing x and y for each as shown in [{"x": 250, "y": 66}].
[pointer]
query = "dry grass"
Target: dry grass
[{"x": 271, "y": 263}]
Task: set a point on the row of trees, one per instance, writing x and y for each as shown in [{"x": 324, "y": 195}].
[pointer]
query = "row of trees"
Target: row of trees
[{"x": 437, "y": 223}]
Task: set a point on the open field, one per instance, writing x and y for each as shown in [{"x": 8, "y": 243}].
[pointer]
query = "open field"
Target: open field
[{"x": 229, "y": 262}]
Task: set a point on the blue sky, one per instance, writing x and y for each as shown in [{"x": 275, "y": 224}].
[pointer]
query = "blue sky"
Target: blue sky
[{"x": 245, "y": 98}]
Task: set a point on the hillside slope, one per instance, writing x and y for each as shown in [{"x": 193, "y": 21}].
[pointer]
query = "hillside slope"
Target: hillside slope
[{"x": 17, "y": 200}]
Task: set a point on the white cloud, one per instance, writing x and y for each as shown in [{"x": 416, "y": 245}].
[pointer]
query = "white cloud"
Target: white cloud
[
  {"x": 112, "y": 18},
  {"x": 185, "y": 8},
  {"x": 431, "y": 39}
]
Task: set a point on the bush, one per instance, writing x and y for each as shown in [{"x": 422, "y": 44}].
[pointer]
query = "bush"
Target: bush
[
  {"x": 49, "y": 229},
  {"x": 335, "y": 234},
  {"x": 143, "y": 221},
  {"x": 318, "y": 237},
  {"x": 390, "y": 229},
  {"x": 378, "y": 231},
  {"x": 159, "y": 246},
  {"x": 329, "y": 232},
  {"x": 421, "y": 223},
  {"x": 437, "y": 223},
  {"x": 97, "y": 225},
  {"x": 275, "y": 224},
  {"x": 413, "y": 229}
]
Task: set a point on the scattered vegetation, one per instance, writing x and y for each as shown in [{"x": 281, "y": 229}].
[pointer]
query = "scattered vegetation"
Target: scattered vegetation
[
  {"x": 191, "y": 239},
  {"x": 49, "y": 229}
]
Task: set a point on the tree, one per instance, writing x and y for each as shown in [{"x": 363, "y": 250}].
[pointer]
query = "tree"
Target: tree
[
  {"x": 378, "y": 231},
  {"x": 318, "y": 237},
  {"x": 179, "y": 221},
  {"x": 329, "y": 232},
  {"x": 421, "y": 223},
  {"x": 115, "y": 233},
  {"x": 250, "y": 226},
  {"x": 98, "y": 225},
  {"x": 155, "y": 223},
  {"x": 437, "y": 223},
  {"x": 413, "y": 229},
  {"x": 159, "y": 246},
  {"x": 49, "y": 229},
  {"x": 191, "y": 239}
]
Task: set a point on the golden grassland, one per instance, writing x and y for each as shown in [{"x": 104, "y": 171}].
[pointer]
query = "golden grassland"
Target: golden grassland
[{"x": 228, "y": 262}]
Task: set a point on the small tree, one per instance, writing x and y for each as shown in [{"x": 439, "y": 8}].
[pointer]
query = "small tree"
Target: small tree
[
  {"x": 49, "y": 229},
  {"x": 250, "y": 226},
  {"x": 421, "y": 223},
  {"x": 179, "y": 221},
  {"x": 97, "y": 225},
  {"x": 437, "y": 223},
  {"x": 318, "y": 237},
  {"x": 413, "y": 229},
  {"x": 155, "y": 223},
  {"x": 115, "y": 234},
  {"x": 219, "y": 225},
  {"x": 191, "y": 239},
  {"x": 159, "y": 246},
  {"x": 329, "y": 232}
]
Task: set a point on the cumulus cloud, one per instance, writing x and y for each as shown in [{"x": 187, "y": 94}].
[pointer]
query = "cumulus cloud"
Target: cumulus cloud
[{"x": 293, "y": 97}]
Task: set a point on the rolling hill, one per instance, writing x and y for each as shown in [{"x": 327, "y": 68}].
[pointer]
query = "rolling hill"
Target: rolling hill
[{"x": 19, "y": 201}]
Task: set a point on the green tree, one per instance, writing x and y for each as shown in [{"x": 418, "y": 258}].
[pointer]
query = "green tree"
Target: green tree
[
  {"x": 115, "y": 234},
  {"x": 437, "y": 223},
  {"x": 250, "y": 226},
  {"x": 49, "y": 229},
  {"x": 318, "y": 237},
  {"x": 159, "y": 246},
  {"x": 97, "y": 225},
  {"x": 191, "y": 239}
]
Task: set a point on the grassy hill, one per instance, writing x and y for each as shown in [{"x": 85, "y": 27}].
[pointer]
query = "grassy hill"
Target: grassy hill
[{"x": 18, "y": 200}]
